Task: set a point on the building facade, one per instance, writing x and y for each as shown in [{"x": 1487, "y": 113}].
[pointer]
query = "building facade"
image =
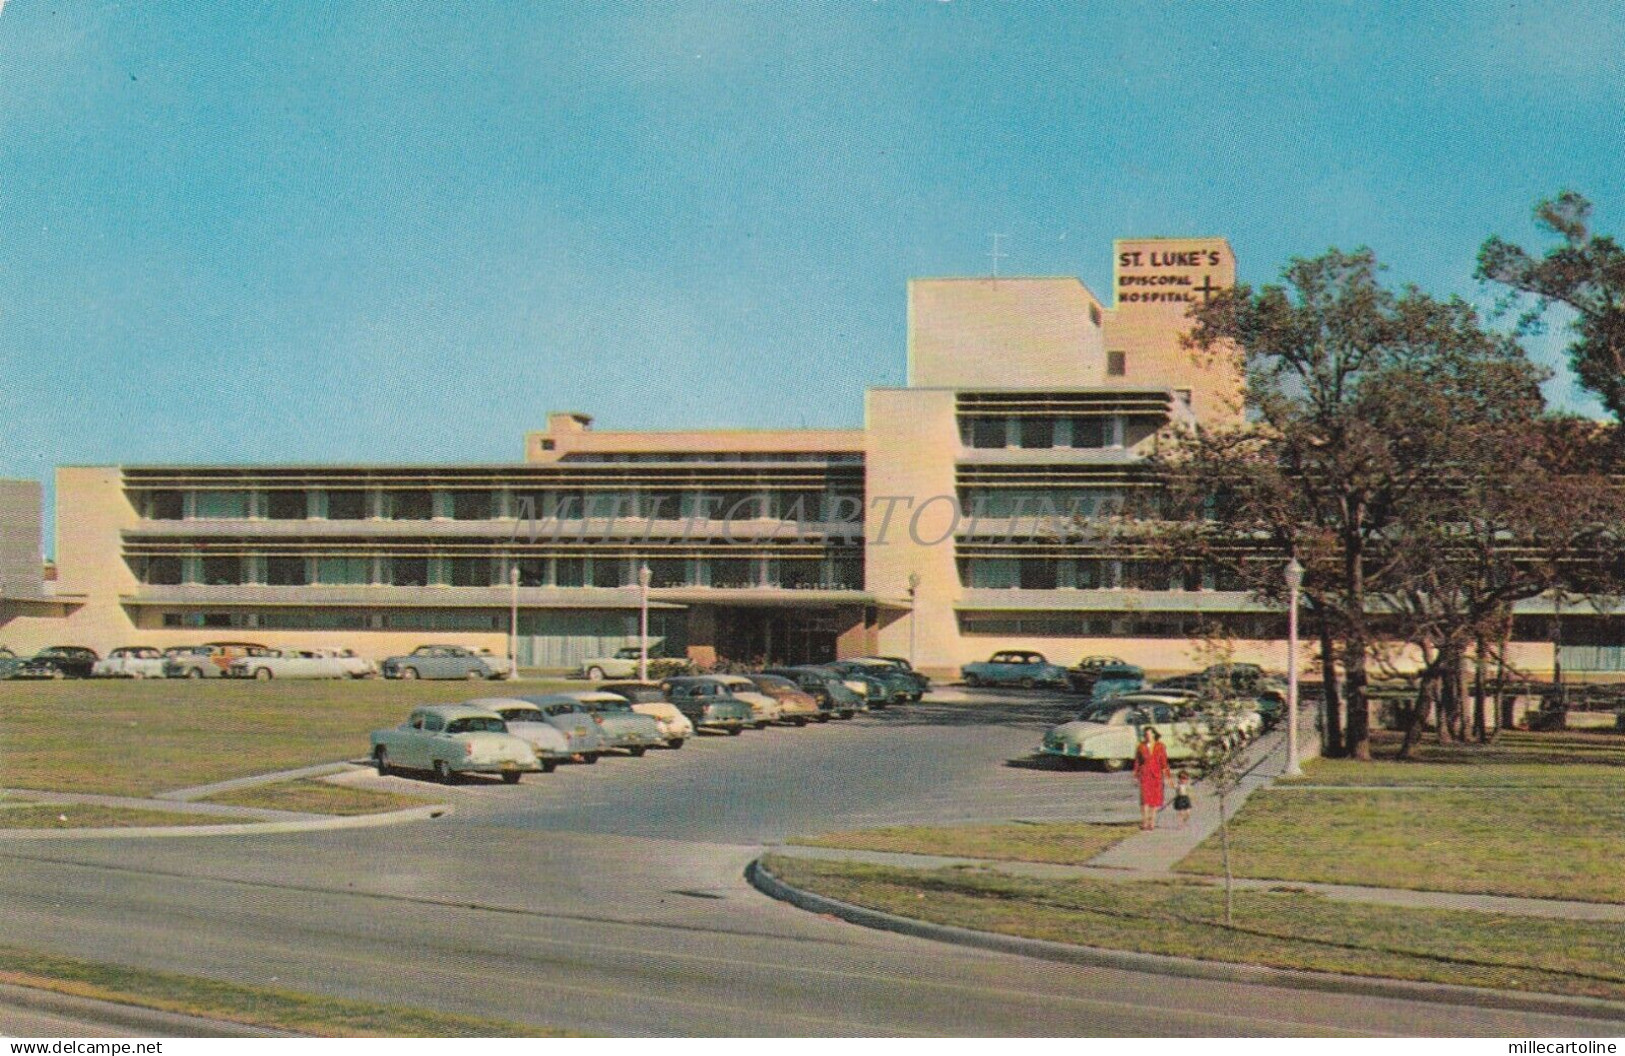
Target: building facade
[{"x": 959, "y": 520}]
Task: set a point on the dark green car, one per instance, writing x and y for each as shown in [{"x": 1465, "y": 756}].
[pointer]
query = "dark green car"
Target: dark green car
[
  {"x": 706, "y": 703},
  {"x": 895, "y": 686}
]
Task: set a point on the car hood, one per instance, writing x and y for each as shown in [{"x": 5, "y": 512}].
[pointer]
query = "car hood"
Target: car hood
[
  {"x": 623, "y": 721},
  {"x": 1079, "y": 730}
]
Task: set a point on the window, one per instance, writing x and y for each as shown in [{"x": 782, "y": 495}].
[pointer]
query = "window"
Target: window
[
  {"x": 992, "y": 573},
  {"x": 232, "y": 505},
  {"x": 1038, "y": 574},
  {"x": 159, "y": 571},
  {"x": 285, "y": 571},
  {"x": 409, "y": 505},
  {"x": 344, "y": 571},
  {"x": 1037, "y": 432},
  {"x": 1089, "y": 432},
  {"x": 732, "y": 572},
  {"x": 570, "y": 572},
  {"x": 1116, "y": 364},
  {"x": 737, "y": 505},
  {"x": 608, "y": 572},
  {"x": 800, "y": 506},
  {"x": 667, "y": 572},
  {"x": 532, "y": 571},
  {"x": 988, "y": 433},
  {"x": 164, "y": 506},
  {"x": 346, "y": 505},
  {"x": 222, "y": 571},
  {"x": 285, "y": 505},
  {"x": 470, "y": 571},
  {"x": 472, "y": 505},
  {"x": 408, "y": 571},
  {"x": 798, "y": 574}
]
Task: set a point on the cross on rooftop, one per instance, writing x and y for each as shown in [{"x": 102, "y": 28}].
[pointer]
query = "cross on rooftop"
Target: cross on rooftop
[{"x": 1207, "y": 289}]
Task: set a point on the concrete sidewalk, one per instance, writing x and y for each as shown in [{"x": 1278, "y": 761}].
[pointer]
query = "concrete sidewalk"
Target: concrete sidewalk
[{"x": 168, "y": 806}]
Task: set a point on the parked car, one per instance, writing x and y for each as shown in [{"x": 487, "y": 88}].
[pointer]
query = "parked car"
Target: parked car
[
  {"x": 1107, "y": 733},
  {"x": 9, "y": 662},
  {"x": 1100, "y": 677},
  {"x": 896, "y": 685},
  {"x": 448, "y": 739},
  {"x": 130, "y": 661},
  {"x": 265, "y": 664},
  {"x": 355, "y": 666},
  {"x": 621, "y": 726},
  {"x": 899, "y": 666},
  {"x": 1248, "y": 680},
  {"x": 440, "y": 661},
  {"x": 1014, "y": 667},
  {"x": 827, "y": 687},
  {"x": 647, "y": 698},
  {"x": 624, "y": 664},
  {"x": 59, "y": 661},
  {"x": 209, "y": 660},
  {"x": 707, "y": 704},
  {"x": 582, "y": 732},
  {"x": 526, "y": 721},
  {"x": 763, "y": 707},
  {"x": 795, "y": 704}
]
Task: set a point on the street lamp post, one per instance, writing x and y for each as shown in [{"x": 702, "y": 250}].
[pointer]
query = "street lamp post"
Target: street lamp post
[
  {"x": 513, "y": 622},
  {"x": 644, "y": 575},
  {"x": 1294, "y": 580},
  {"x": 913, "y": 589}
]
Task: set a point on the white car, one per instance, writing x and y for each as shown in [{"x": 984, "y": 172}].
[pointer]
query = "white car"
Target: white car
[
  {"x": 527, "y": 722},
  {"x": 266, "y": 664},
  {"x": 742, "y": 689},
  {"x": 354, "y": 666},
  {"x": 130, "y": 661}
]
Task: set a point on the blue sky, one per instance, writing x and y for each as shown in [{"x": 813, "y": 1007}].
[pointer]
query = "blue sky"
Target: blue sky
[{"x": 338, "y": 232}]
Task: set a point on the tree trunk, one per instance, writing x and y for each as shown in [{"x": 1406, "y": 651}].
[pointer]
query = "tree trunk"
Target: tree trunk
[
  {"x": 1445, "y": 728},
  {"x": 1419, "y": 710},
  {"x": 1229, "y": 878},
  {"x": 1357, "y": 734},
  {"x": 1502, "y": 701},
  {"x": 1481, "y": 725},
  {"x": 1332, "y": 735}
]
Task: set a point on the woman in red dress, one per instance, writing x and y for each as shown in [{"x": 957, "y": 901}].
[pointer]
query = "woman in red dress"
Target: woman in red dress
[{"x": 1151, "y": 768}]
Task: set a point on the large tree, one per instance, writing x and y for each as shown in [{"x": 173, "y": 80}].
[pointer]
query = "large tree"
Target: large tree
[
  {"x": 1585, "y": 272},
  {"x": 1354, "y": 392}
]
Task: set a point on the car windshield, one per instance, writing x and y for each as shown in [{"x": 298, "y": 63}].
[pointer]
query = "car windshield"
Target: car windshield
[
  {"x": 774, "y": 682},
  {"x": 629, "y": 653},
  {"x": 477, "y": 724},
  {"x": 521, "y": 714},
  {"x": 1109, "y": 715},
  {"x": 606, "y": 705}
]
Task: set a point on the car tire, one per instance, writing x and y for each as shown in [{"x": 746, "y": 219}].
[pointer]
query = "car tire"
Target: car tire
[
  {"x": 799, "y": 721},
  {"x": 823, "y": 717},
  {"x": 57, "y": 672},
  {"x": 381, "y": 760},
  {"x": 409, "y": 672},
  {"x": 442, "y": 772},
  {"x": 474, "y": 676},
  {"x": 1112, "y": 766},
  {"x": 549, "y": 765},
  {"x": 263, "y": 674},
  {"x": 762, "y": 725},
  {"x": 675, "y": 743},
  {"x": 1071, "y": 762},
  {"x": 590, "y": 758},
  {"x": 1028, "y": 683},
  {"x": 637, "y": 750},
  {"x": 735, "y": 731},
  {"x": 196, "y": 672},
  {"x": 595, "y": 674},
  {"x": 972, "y": 681},
  {"x": 511, "y": 777}
]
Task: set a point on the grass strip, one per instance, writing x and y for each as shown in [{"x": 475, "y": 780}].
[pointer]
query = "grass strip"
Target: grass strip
[
  {"x": 1531, "y": 843},
  {"x": 257, "y": 1006},
  {"x": 158, "y": 734},
  {"x": 1281, "y": 929},
  {"x": 309, "y": 796},
  {"x": 1065, "y": 843},
  {"x": 88, "y": 816},
  {"x": 1514, "y": 758}
]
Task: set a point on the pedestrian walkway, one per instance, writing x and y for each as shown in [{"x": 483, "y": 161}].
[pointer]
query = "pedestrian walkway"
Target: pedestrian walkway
[
  {"x": 167, "y": 806},
  {"x": 255, "y": 780},
  {"x": 1164, "y": 847}
]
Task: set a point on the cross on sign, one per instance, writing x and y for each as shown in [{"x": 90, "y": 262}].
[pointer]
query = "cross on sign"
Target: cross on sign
[{"x": 1207, "y": 289}]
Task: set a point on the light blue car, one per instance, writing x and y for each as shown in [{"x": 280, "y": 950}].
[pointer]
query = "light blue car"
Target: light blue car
[{"x": 1014, "y": 667}]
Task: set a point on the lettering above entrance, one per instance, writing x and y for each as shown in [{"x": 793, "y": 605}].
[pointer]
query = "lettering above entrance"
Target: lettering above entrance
[{"x": 1171, "y": 274}]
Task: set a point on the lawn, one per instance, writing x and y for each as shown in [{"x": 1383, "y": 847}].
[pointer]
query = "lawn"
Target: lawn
[
  {"x": 316, "y": 797},
  {"x": 86, "y": 816},
  {"x": 141, "y": 737},
  {"x": 1068, "y": 843},
  {"x": 1566, "y": 759},
  {"x": 233, "y": 1002},
  {"x": 1537, "y": 815},
  {"x": 1279, "y": 929}
]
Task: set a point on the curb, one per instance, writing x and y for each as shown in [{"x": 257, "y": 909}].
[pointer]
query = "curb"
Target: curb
[
  {"x": 759, "y": 877},
  {"x": 261, "y": 828},
  {"x": 143, "y": 1022}
]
